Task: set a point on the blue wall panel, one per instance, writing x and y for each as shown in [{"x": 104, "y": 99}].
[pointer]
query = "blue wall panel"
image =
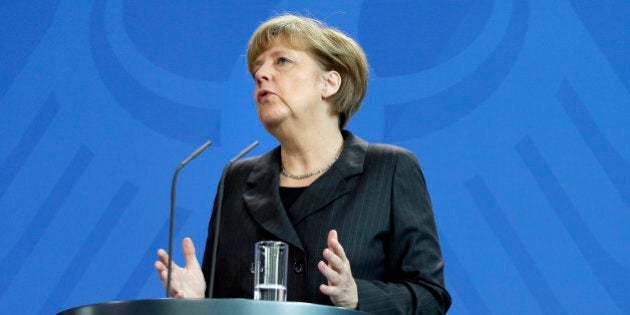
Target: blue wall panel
[{"x": 517, "y": 110}]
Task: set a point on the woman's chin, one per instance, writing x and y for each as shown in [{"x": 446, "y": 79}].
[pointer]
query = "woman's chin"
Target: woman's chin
[
  {"x": 272, "y": 120},
  {"x": 271, "y": 124}
]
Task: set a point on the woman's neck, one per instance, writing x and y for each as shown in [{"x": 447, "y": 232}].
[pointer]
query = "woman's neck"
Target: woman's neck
[{"x": 306, "y": 156}]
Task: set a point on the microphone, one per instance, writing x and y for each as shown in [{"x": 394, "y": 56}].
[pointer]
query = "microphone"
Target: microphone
[
  {"x": 172, "y": 219},
  {"x": 217, "y": 215}
]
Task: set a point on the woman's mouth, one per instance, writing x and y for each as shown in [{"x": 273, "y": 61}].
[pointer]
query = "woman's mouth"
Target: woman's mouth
[{"x": 263, "y": 95}]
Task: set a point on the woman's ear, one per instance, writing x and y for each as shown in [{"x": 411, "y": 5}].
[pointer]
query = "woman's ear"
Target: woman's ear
[{"x": 332, "y": 83}]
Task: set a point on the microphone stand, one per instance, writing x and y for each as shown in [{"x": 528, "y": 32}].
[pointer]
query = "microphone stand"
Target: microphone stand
[
  {"x": 172, "y": 219},
  {"x": 217, "y": 215}
]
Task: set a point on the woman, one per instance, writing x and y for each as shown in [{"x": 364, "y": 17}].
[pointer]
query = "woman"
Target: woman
[{"x": 321, "y": 188}]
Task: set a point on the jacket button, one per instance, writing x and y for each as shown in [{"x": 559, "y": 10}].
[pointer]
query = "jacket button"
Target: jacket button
[{"x": 298, "y": 267}]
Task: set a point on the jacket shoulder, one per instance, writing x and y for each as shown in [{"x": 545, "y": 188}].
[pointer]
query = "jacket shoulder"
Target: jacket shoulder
[{"x": 388, "y": 151}]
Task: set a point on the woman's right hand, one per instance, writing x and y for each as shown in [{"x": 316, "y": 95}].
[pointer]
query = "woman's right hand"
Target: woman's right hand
[{"x": 187, "y": 282}]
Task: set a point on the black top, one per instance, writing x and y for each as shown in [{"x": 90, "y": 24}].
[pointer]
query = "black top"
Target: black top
[{"x": 289, "y": 195}]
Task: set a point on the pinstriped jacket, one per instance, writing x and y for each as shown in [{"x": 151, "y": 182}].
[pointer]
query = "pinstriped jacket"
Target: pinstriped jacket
[{"x": 374, "y": 195}]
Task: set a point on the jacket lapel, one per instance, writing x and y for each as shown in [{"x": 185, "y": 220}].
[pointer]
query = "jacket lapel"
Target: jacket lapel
[{"x": 263, "y": 199}]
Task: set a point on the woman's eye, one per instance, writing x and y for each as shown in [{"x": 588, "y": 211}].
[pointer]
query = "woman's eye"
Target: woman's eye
[{"x": 282, "y": 60}]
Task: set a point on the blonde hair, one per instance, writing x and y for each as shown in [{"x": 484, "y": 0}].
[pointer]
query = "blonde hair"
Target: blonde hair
[{"x": 332, "y": 49}]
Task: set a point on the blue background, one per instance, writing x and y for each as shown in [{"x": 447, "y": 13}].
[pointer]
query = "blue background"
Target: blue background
[{"x": 517, "y": 110}]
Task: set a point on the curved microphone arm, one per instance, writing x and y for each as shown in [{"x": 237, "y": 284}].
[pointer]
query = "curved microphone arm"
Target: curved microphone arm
[
  {"x": 172, "y": 218},
  {"x": 217, "y": 215}
]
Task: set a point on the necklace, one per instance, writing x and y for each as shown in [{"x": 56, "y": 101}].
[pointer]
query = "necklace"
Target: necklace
[{"x": 315, "y": 172}]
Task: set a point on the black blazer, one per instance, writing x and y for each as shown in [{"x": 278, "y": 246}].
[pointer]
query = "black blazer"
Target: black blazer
[{"x": 374, "y": 196}]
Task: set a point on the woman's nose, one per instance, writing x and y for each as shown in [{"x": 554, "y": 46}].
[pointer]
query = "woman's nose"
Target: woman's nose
[{"x": 262, "y": 74}]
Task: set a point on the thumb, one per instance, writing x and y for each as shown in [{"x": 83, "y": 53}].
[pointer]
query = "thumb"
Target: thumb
[{"x": 188, "y": 249}]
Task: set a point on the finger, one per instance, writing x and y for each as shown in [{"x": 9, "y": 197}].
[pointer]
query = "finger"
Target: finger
[
  {"x": 335, "y": 245},
  {"x": 329, "y": 290},
  {"x": 163, "y": 273},
  {"x": 330, "y": 274},
  {"x": 332, "y": 238},
  {"x": 164, "y": 260},
  {"x": 160, "y": 268},
  {"x": 163, "y": 256},
  {"x": 334, "y": 261},
  {"x": 160, "y": 265},
  {"x": 188, "y": 248},
  {"x": 340, "y": 251}
]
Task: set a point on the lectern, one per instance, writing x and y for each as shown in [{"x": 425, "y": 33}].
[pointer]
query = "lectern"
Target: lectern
[{"x": 207, "y": 307}]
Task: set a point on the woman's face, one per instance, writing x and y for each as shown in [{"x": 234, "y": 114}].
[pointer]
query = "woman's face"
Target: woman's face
[{"x": 289, "y": 86}]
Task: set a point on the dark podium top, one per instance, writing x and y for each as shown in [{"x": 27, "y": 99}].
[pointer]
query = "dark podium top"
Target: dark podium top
[{"x": 207, "y": 307}]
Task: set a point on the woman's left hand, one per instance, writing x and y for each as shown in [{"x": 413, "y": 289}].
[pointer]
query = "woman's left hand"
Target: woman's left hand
[{"x": 341, "y": 287}]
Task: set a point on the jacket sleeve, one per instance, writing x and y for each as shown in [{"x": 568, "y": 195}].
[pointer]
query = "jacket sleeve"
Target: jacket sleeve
[{"x": 415, "y": 282}]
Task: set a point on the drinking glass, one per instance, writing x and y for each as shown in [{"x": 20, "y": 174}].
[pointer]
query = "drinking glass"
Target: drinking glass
[{"x": 270, "y": 271}]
